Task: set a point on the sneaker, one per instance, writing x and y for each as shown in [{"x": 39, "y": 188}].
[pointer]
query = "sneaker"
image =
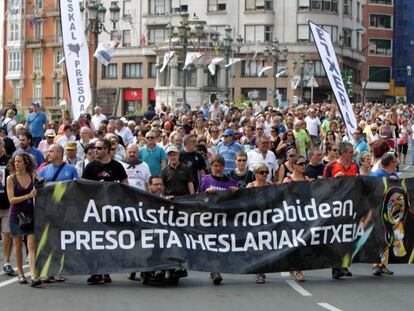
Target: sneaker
[
  {"x": 376, "y": 270},
  {"x": 385, "y": 270},
  {"x": 36, "y": 282},
  {"x": 107, "y": 278},
  {"x": 22, "y": 280},
  {"x": 347, "y": 272},
  {"x": 337, "y": 273},
  {"x": 95, "y": 279},
  {"x": 7, "y": 268},
  {"x": 216, "y": 277},
  {"x": 260, "y": 278},
  {"x": 132, "y": 276}
]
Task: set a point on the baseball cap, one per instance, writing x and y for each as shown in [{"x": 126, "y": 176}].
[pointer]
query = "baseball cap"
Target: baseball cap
[
  {"x": 171, "y": 149},
  {"x": 37, "y": 104},
  {"x": 228, "y": 132}
]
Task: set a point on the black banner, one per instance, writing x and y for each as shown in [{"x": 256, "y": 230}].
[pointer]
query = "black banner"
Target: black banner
[{"x": 85, "y": 227}]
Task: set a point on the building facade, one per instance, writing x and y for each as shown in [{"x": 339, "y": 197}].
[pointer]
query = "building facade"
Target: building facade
[
  {"x": 145, "y": 38},
  {"x": 403, "y": 60},
  {"x": 377, "y": 44}
]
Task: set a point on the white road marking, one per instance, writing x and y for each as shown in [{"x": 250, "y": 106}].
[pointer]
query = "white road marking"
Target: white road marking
[
  {"x": 298, "y": 288},
  {"x": 284, "y": 274},
  {"x": 328, "y": 306},
  {"x": 13, "y": 280}
]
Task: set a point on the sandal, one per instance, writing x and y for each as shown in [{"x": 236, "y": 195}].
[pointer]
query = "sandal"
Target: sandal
[
  {"x": 22, "y": 280},
  {"x": 260, "y": 278},
  {"x": 298, "y": 276},
  {"x": 59, "y": 278},
  {"x": 36, "y": 282}
]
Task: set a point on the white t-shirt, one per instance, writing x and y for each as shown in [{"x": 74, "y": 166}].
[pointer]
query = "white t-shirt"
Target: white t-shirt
[
  {"x": 313, "y": 125},
  {"x": 255, "y": 157},
  {"x": 97, "y": 120},
  {"x": 138, "y": 174}
]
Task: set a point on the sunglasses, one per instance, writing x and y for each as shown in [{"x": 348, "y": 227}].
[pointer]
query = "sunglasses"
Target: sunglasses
[
  {"x": 150, "y": 137},
  {"x": 241, "y": 160},
  {"x": 263, "y": 172},
  {"x": 301, "y": 163},
  {"x": 99, "y": 148}
]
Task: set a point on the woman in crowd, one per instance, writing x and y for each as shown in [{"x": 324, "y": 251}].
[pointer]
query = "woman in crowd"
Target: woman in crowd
[
  {"x": 21, "y": 192},
  {"x": 274, "y": 138},
  {"x": 260, "y": 173},
  {"x": 199, "y": 129},
  {"x": 89, "y": 156},
  {"x": 386, "y": 133},
  {"x": 331, "y": 153},
  {"x": 330, "y": 138},
  {"x": 378, "y": 149},
  {"x": 288, "y": 140},
  {"x": 298, "y": 174},
  {"x": 241, "y": 174},
  {"x": 364, "y": 161},
  {"x": 403, "y": 138},
  {"x": 286, "y": 169},
  {"x": 214, "y": 139}
]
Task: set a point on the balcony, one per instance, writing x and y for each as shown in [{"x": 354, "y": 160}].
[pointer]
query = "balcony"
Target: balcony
[
  {"x": 48, "y": 10},
  {"x": 35, "y": 43},
  {"x": 53, "y": 41}
]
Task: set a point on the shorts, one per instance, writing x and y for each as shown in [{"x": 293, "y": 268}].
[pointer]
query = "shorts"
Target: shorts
[
  {"x": 4, "y": 220},
  {"x": 15, "y": 228},
  {"x": 403, "y": 148}
]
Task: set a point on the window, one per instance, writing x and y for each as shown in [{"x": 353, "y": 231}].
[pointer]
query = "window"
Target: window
[
  {"x": 380, "y": 21},
  {"x": 14, "y": 31},
  {"x": 37, "y": 90},
  {"x": 358, "y": 12},
  {"x": 58, "y": 89},
  {"x": 110, "y": 71},
  {"x": 209, "y": 79},
  {"x": 15, "y": 61},
  {"x": 38, "y": 4},
  {"x": 386, "y": 2},
  {"x": 157, "y": 7},
  {"x": 156, "y": 34},
  {"x": 347, "y": 37},
  {"x": 303, "y": 33},
  {"x": 38, "y": 30},
  {"x": 37, "y": 60},
  {"x": 252, "y": 68},
  {"x": 126, "y": 8},
  {"x": 191, "y": 77},
  {"x": 380, "y": 47},
  {"x": 58, "y": 59},
  {"x": 17, "y": 93},
  {"x": 259, "y": 5},
  {"x": 258, "y": 33},
  {"x": 216, "y": 6},
  {"x": 152, "y": 70},
  {"x": 348, "y": 7},
  {"x": 58, "y": 31},
  {"x": 319, "y": 5},
  {"x": 333, "y": 31},
  {"x": 132, "y": 70},
  {"x": 379, "y": 74},
  {"x": 126, "y": 38}
]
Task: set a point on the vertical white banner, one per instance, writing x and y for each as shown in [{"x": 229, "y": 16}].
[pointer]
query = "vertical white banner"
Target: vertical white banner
[
  {"x": 76, "y": 56},
  {"x": 333, "y": 72}
]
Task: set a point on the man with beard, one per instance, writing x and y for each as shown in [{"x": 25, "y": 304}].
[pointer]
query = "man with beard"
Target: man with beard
[{"x": 138, "y": 171}]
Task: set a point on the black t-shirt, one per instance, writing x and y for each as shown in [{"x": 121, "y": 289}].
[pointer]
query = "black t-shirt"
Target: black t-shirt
[
  {"x": 4, "y": 201},
  {"x": 242, "y": 180},
  {"x": 314, "y": 172},
  {"x": 176, "y": 179},
  {"x": 195, "y": 163},
  {"x": 112, "y": 171},
  {"x": 9, "y": 146}
]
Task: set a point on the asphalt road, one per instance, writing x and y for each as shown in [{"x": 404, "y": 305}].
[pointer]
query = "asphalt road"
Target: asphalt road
[{"x": 363, "y": 291}]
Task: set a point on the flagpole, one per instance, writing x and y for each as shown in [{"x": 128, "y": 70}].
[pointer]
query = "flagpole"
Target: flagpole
[{"x": 169, "y": 68}]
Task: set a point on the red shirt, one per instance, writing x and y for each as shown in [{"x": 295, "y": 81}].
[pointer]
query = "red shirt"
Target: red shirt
[{"x": 333, "y": 168}]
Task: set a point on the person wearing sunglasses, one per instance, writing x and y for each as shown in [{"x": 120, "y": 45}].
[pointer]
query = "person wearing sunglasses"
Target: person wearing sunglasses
[
  {"x": 298, "y": 174},
  {"x": 241, "y": 174},
  {"x": 331, "y": 153},
  {"x": 260, "y": 172},
  {"x": 262, "y": 154}
]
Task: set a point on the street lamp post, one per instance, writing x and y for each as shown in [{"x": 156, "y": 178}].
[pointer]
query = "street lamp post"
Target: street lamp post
[
  {"x": 227, "y": 40},
  {"x": 96, "y": 13},
  {"x": 302, "y": 69},
  {"x": 276, "y": 54},
  {"x": 312, "y": 78},
  {"x": 183, "y": 32}
]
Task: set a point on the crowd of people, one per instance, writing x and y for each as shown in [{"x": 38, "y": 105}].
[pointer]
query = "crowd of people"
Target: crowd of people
[{"x": 174, "y": 152}]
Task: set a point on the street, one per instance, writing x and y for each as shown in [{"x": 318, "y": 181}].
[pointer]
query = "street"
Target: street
[{"x": 363, "y": 291}]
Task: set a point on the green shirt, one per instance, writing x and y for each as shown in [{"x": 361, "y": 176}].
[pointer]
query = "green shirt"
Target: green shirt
[{"x": 303, "y": 139}]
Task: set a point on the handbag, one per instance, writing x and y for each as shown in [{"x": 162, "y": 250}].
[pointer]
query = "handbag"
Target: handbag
[{"x": 25, "y": 222}]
